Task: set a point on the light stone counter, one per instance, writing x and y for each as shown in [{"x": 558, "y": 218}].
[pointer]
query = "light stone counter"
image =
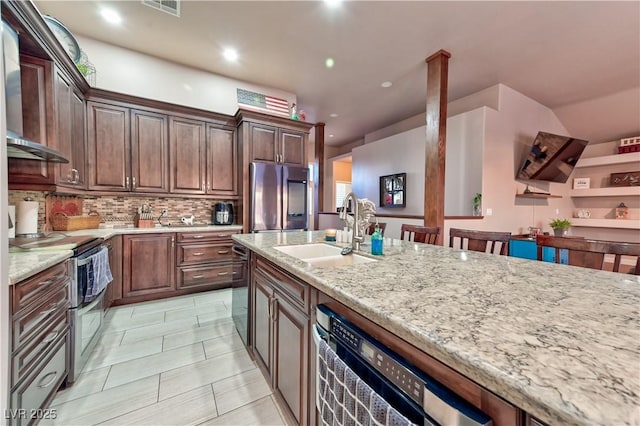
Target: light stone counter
[
  {"x": 23, "y": 265},
  {"x": 561, "y": 342}
]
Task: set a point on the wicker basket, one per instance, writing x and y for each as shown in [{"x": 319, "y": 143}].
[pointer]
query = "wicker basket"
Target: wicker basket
[{"x": 62, "y": 222}]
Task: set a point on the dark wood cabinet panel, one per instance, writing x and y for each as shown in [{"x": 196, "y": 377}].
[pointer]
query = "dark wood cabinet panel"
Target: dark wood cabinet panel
[
  {"x": 263, "y": 143},
  {"x": 211, "y": 276},
  {"x": 261, "y": 322},
  {"x": 148, "y": 264},
  {"x": 109, "y": 147},
  {"x": 292, "y": 148},
  {"x": 37, "y": 121},
  {"x": 187, "y": 156},
  {"x": 149, "y": 152},
  {"x": 222, "y": 158},
  {"x": 114, "y": 290},
  {"x": 70, "y": 110},
  {"x": 78, "y": 138},
  {"x": 291, "y": 357}
]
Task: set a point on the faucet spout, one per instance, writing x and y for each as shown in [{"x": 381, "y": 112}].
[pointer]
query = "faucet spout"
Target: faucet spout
[{"x": 354, "y": 223}]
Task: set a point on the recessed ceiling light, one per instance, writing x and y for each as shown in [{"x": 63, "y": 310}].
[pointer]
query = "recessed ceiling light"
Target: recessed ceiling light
[
  {"x": 331, "y": 135},
  {"x": 333, "y": 3},
  {"x": 333, "y": 115},
  {"x": 230, "y": 54},
  {"x": 111, "y": 16},
  {"x": 386, "y": 84},
  {"x": 329, "y": 63}
]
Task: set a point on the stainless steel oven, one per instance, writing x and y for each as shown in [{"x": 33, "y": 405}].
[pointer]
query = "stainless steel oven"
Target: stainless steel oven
[{"x": 86, "y": 311}]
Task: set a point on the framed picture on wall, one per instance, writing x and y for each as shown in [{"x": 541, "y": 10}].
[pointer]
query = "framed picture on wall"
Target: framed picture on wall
[{"x": 392, "y": 190}]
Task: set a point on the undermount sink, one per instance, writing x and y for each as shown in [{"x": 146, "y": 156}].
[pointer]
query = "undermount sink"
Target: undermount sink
[{"x": 323, "y": 255}]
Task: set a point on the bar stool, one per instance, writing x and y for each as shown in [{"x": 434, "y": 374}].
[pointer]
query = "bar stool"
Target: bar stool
[
  {"x": 420, "y": 234},
  {"x": 480, "y": 240}
]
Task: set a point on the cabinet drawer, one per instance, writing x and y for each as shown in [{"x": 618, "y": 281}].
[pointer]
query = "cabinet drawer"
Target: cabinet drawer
[
  {"x": 198, "y": 253},
  {"x": 32, "y": 394},
  {"x": 206, "y": 235},
  {"x": 30, "y": 322},
  {"x": 296, "y": 291},
  {"x": 203, "y": 275},
  {"x": 24, "y": 360},
  {"x": 30, "y": 290}
]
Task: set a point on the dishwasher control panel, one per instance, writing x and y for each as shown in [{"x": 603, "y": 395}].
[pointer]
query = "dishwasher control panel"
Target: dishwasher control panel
[{"x": 383, "y": 362}]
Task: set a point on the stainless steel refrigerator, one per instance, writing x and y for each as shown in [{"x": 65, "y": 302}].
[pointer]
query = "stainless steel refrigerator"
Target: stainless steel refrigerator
[{"x": 278, "y": 197}]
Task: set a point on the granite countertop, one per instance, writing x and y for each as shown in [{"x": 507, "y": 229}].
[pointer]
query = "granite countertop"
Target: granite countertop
[
  {"x": 561, "y": 342},
  {"x": 23, "y": 265}
]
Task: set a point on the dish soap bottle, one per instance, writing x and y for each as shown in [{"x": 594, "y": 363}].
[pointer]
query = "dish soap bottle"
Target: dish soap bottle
[{"x": 376, "y": 241}]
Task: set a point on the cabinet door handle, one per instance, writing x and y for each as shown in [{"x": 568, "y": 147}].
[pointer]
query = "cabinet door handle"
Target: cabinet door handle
[
  {"x": 275, "y": 310},
  {"x": 126, "y": 182},
  {"x": 195, "y": 277},
  {"x": 269, "y": 308},
  {"x": 47, "y": 384},
  {"x": 223, "y": 251},
  {"x": 221, "y": 274},
  {"x": 198, "y": 253},
  {"x": 76, "y": 176},
  {"x": 173, "y": 241},
  {"x": 134, "y": 182}
]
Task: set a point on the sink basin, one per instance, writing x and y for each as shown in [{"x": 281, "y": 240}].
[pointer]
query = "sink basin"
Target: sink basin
[{"x": 323, "y": 255}]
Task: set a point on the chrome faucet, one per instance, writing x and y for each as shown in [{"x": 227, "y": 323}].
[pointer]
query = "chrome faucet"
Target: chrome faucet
[{"x": 357, "y": 235}]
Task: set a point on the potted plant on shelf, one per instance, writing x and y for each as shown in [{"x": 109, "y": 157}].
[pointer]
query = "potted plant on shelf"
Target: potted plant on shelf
[
  {"x": 477, "y": 204},
  {"x": 560, "y": 227}
]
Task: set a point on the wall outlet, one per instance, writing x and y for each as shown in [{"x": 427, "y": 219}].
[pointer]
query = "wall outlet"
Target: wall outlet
[
  {"x": 557, "y": 211},
  {"x": 489, "y": 212}
]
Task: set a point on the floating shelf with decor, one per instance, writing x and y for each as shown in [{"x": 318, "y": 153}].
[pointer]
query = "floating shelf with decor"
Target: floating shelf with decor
[
  {"x": 606, "y": 223},
  {"x": 610, "y": 191},
  {"x": 533, "y": 195},
  {"x": 607, "y": 160}
]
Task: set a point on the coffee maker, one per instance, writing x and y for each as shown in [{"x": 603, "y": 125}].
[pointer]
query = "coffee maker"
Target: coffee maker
[{"x": 222, "y": 214}]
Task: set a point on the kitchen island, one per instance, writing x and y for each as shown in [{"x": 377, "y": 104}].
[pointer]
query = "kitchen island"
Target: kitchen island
[{"x": 560, "y": 342}]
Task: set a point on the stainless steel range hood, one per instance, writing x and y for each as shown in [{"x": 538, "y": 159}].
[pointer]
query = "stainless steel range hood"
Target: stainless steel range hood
[{"x": 17, "y": 146}]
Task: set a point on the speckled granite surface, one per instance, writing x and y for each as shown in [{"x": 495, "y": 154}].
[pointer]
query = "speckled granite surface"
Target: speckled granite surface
[
  {"x": 561, "y": 342},
  {"x": 23, "y": 265}
]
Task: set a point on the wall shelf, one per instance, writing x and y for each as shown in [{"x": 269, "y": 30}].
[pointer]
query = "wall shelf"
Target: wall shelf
[
  {"x": 607, "y": 160},
  {"x": 606, "y": 223},
  {"x": 611, "y": 191},
  {"x": 525, "y": 195}
]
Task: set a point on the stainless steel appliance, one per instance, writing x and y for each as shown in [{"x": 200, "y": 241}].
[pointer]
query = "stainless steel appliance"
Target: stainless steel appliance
[
  {"x": 86, "y": 309},
  {"x": 413, "y": 396},
  {"x": 222, "y": 214},
  {"x": 17, "y": 146},
  {"x": 278, "y": 197},
  {"x": 240, "y": 292}
]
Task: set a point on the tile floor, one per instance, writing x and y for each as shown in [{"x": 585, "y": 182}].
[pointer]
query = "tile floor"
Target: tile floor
[{"x": 176, "y": 361}]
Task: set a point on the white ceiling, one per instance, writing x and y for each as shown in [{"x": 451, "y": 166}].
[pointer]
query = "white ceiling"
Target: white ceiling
[{"x": 558, "y": 53}]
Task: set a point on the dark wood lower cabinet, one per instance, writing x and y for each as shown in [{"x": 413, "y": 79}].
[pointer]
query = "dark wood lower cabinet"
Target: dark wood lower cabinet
[{"x": 148, "y": 264}]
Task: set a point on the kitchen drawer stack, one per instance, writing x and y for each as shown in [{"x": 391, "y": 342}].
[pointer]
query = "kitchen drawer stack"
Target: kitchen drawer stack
[
  {"x": 204, "y": 259},
  {"x": 39, "y": 341}
]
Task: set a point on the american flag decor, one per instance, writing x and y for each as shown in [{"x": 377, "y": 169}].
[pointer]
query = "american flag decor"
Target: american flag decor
[{"x": 258, "y": 102}]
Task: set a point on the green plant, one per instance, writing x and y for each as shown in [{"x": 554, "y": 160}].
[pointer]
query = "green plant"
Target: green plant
[
  {"x": 84, "y": 70},
  {"x": 477, "y": 200},
  {"x": 560, "y": 223}
]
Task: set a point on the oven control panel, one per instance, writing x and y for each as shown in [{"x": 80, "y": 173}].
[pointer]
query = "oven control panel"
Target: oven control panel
[{"x": 383, "y": 362}]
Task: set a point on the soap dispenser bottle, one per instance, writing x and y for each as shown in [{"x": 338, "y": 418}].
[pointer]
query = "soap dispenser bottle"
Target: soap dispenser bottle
[{"x": 376, "y": 241}]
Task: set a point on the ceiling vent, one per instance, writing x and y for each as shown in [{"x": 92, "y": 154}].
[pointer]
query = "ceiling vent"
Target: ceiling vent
[{"x": 172, "y": 7}]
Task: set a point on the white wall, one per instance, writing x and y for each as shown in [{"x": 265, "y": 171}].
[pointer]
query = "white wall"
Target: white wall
[{"x": 125, "y": 71}]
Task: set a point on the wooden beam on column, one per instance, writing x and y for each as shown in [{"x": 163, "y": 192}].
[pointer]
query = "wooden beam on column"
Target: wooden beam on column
[
  {"x": 318, "y": 175},
  {"x": 437, "y": 84}
]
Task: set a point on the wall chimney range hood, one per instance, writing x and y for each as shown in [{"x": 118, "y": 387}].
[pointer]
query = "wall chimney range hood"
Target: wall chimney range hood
[{"x": 17, "y": 146}]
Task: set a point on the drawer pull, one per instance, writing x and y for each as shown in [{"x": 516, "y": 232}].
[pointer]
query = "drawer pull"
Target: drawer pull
[
  {"x": 51, "y": 337},
  {"x": 223, "y": 251},
  {"x": 47, "y": 282},
  {"x": 197, "y": 237},
  {"x": 50, "y": 382},
  {"x": 222, "y": 273},
  {"x": 198, "y": 253},
  {"x": 52, "y": 307},
  {"x": 195, "y": 277}
]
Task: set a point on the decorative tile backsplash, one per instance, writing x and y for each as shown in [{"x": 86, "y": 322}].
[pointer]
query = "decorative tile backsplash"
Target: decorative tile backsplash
[{"x": 120, "y": 211}]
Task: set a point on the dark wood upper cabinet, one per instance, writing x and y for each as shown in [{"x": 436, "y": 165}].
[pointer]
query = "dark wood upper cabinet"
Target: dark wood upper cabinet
[
  {"x": 292, "y": 149},
  {"x": 269, "y": 144},
  {"x": 109, "y": 146},
  {"x": 148, "y": 264},
  {"x": 222, "y": 159},
  {"x": 37, "y": 116},
  {"x": 149, "y": 152},
  {"x": 70, "y": 135},
  {"x": 263, "y": 143},
  {"x": 187, "y": 156}
]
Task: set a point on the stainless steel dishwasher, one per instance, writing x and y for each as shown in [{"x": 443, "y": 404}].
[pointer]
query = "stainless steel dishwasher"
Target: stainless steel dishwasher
[
  {"x": 359, "y": 381},
  {"x": 240, "y": 291}
]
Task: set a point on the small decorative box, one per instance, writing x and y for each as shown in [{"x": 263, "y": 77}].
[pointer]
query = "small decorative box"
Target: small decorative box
[{"x": 581, "y": 183}]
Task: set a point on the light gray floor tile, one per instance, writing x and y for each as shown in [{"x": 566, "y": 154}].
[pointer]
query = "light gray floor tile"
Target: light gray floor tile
[
  {"x": 213, "y": 296},
  {"x": 194, "y": 311},
  {"x": 195, "y": 334},
  {"x": 135, "y": 334},
  {"x": 105, "y": 405},
  {"x": 153, "y": 364},
  {"x": 189, "y": 408},
  {"x": 123, "y": 323},
  {"x": 206, "y": 319},
  {"x": 222, "y": 345},
  {"x": 117, "y": 312},
  {"x": 262, "y": 412},
  {"x": 239, "y": 390},
  {"x": 111, "y": 339},
  {"x": 163, "y": 305},
  {"x": 87, "y": 383},
  {"x": 103, "y": 356},
  {"x": 186, "y": 378}
]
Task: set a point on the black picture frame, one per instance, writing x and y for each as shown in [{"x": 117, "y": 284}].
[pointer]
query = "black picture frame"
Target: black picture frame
[{"x": 393, "y": 190}]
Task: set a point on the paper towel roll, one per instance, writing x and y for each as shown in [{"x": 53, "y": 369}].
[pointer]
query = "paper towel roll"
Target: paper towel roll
[
  {"x": 27, "y": 217},
  {"x": 12, "y": 215}
]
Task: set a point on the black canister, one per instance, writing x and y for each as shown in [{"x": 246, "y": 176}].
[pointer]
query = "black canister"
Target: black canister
[{"x": 222, "y": 214}]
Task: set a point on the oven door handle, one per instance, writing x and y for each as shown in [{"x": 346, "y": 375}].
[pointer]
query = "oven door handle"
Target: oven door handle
[{"x": 91, "y": 305}]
